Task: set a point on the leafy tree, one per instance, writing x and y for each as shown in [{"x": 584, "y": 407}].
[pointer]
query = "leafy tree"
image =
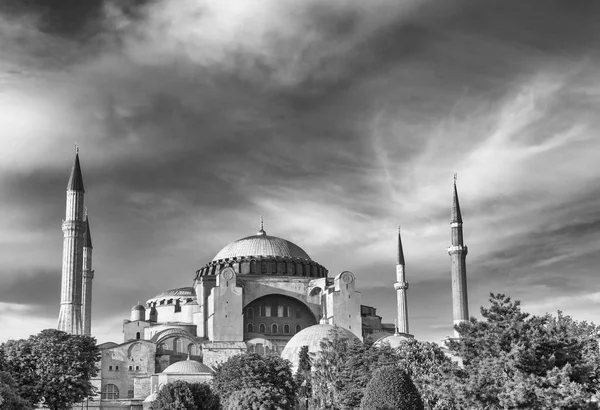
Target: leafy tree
[
  {"x": 516, "y": 360},
  {"x": 432, "y": 371},
  {"x": 251, "y": 370},
  {"x": 53, "y": 367},
  {"x": 391, "y": 388},
  {"x": 261, "y": 398},
  {"x": 181, "y": 395},
  {"x": 9, "y": 399}
]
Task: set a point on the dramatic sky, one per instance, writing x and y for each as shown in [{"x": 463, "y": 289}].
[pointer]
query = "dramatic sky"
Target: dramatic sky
[{"x": 336, "y": 120}]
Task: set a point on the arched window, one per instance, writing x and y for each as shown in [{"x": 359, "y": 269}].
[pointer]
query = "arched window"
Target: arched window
[
  {"x": 280, "y": 311},
  {"x": 298, "y": 328},
  {"x": 286, "y": 329},
  {"x": 178, "y": 345},
  {"x": 263, "y": 310},
  {"x": 137, "y": 335},
  {"x": 110, "y": 392},
  {"x": 286, "y": 311},
  {"x": 164, "y": 346},
  {"x": 260, "y": 349},
  {"x": 262, "y": 328},
  {"x": 250, "y": 313},
  {"x": 274, "y": 328},
  {"x": 250, "y": 328},
  {"x": 252, "y": 266},
  {"x": 268, "y": 311}
]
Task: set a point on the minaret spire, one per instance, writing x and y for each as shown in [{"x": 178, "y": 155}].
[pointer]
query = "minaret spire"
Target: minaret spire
[
  {"x": 458, "y": 255},
  {"x": 401, "y": 286},
  {"x": 88, "y": 275},
  {"x": 74, "y": 228}
]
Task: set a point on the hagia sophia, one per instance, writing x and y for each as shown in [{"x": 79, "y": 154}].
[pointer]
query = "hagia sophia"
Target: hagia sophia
[{"x": 260, "y": 293}]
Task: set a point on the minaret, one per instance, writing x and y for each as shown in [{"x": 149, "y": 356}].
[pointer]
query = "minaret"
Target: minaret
[
  {"x": 458, "y": 256},
  {"x": 73, "y": 227},
  {"x": 401, "y": 285},
  {"x": 88, "y": 275}
]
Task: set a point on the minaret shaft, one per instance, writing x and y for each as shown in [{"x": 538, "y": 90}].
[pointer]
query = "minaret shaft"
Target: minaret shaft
[
  {"x": 458, "y": 256},
  {"x": 86, "y": 303},
  {"x": 401, "y": 286},
  {"x": 73, "y": 227}
]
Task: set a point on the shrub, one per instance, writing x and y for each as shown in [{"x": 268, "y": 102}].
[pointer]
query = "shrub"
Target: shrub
[{"x": 391, "y": 388}]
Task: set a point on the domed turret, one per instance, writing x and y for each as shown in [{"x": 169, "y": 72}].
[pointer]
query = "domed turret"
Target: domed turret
[
  {"x": 312, "y": 337},
  {"x": 138, "y": 312}
]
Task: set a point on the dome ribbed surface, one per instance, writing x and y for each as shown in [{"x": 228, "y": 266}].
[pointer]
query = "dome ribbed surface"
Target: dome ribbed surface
[
  {"x": 188, "y": 367},
  {"x": 262, "y": 245},
  {"x": 311, "y": 337}
]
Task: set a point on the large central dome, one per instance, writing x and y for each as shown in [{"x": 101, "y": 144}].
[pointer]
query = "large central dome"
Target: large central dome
[{"x": 264, "y": 245}]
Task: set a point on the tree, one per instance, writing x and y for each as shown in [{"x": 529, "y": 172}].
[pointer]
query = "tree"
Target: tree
[
  {"x": 303, "y": 376},
  {"x": 251, "y": 370},
  {"x": 53, "y": 367},
  {"x": 261, "y": 398},
  {"x": 516, "y": 360},
  {"x": 391, "y": 388},
  {"x": 181, "y": 395},
  {"x": 9, "y": 399}
]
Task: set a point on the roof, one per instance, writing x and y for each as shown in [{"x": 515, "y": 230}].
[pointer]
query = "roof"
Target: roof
[
  {"x": 87, "y": 239},
  {"x": 138, "y": 307},
  {"x": 264, "y": 245},
  {"x": 76, "y": 180},
  {"x": 312, "y": 337},
  {"x": 456, "y": 215},
  {"x": 186, "y": 291},
  {"x": 393, "y": 340},
  {"x": 188, "y": 367},
  {"x": 400, "y": 257}
]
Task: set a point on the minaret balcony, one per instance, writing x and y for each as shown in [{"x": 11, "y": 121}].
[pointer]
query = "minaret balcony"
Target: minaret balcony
[
  {"x": 457, "y": 249},
  {"x": 401, "y": 285}
]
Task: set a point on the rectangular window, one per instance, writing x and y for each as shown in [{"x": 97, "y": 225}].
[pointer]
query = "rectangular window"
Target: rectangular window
[
  {"x": 130, "y": 367},
  {"x": 137, "y": 367},
  {"x": 117, "y": 368},
  {"x": 110, "y": 368}
]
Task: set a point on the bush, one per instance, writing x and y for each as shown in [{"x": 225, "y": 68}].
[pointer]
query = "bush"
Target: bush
[
  {"x": 263, "y": 398},
  {"x": 180, "y": 395},
  {"x": 391, "y": 388}
]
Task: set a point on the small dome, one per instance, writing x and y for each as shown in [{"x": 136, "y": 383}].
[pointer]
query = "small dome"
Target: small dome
[
  {"x": 188, "y": 367},
  {"x": 263, "y": 245},
  {"x": 393, "y": 340},
  {"x": 138, "y": 307},
  {"x": 311, "y": 337},
  {"x": 151, "y": 397}
]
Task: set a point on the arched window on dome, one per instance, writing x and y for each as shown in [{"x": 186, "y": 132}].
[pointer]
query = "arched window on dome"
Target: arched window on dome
[
  {"x": 178, "y": 345},
  {"x": 252, "y": 266},
  {"x": 263, "y": 266},
  {"x": 250, "y": 328},
  {"x": 274, "y": 328},
  {"x": 110, "y": 392},
  {"x": 262, "y": 328},
  {"x": 250, "y": 313},
  {"x": 298, "y": 328},
  {"x": 286, "y": 329}
]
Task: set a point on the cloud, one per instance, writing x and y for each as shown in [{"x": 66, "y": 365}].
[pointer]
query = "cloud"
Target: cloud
[{"x": 336, "y": 121}]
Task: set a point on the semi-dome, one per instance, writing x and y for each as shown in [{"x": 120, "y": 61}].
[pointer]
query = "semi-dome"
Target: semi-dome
[
  {"x": 188, "y": 367},
  {"x": 179, "y": 292},
  {"x": 263, "y": 245},
  {"x": 312, "y": 337}
]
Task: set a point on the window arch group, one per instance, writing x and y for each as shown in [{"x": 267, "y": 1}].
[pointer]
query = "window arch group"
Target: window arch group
[{"x": 110, "y": 392}]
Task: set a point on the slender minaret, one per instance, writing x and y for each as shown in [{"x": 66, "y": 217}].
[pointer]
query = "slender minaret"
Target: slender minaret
[
  {"x": 401, "y": 285},
  {"x": 88, "y": 275},
  {"x": 458, "y": 256},
  {"x": 73, "y": 227}
]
